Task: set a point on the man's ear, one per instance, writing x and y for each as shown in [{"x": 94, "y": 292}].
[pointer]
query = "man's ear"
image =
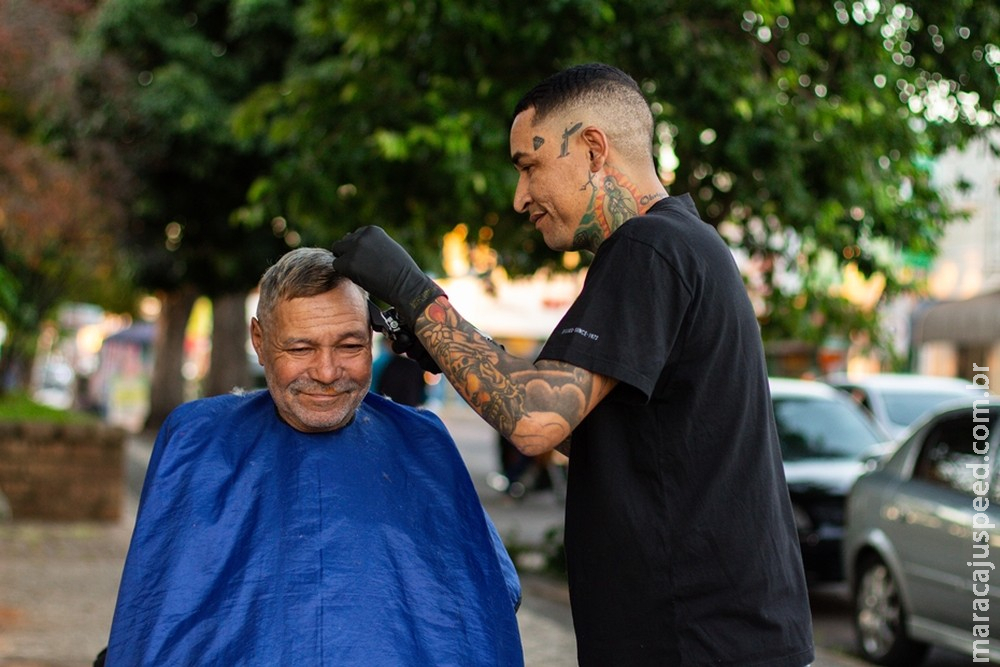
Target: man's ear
[
  {"x": 595, "y": 142},
  {"x": 257, "y": 339}
]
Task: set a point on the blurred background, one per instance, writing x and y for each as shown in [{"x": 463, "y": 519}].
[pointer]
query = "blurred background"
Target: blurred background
[{"x": 156, "y": 157}]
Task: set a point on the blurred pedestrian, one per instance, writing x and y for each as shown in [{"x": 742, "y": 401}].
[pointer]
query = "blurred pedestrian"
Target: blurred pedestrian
[
  {"x": 680, "y": 543},
  {"x": 400, "y": 379}
]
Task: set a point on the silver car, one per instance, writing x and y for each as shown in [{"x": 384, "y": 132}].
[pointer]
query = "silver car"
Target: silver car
[
  {"x": 897, "y": 400},
  {"x": 919, "y": 530}
]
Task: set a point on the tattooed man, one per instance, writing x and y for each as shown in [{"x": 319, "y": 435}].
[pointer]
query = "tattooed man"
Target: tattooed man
[{"x": 680, "y": 541}]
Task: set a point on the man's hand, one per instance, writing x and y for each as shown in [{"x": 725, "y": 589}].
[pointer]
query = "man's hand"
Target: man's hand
[{"x": 380, "y": 265}]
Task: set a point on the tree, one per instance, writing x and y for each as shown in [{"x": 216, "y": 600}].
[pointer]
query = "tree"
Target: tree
[
  {"x": 46, "y": 208},
  {"x": 57, "y": 228},
  {"x": 161, "y": 80},
  {"x": 806, "y": 130},
  {"x": 397, "y": 114}
]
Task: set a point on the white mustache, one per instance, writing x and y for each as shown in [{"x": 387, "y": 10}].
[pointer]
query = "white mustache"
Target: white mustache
[{"x": 339, "y": 387}]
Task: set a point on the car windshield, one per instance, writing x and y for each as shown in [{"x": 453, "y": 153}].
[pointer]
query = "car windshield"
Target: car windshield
[
  {"x": 903, "y": 408},
  {"x": 816, "y": 428}
]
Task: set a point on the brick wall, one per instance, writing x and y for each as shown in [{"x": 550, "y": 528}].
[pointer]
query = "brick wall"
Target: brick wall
[{"x": 62, "y": 472}]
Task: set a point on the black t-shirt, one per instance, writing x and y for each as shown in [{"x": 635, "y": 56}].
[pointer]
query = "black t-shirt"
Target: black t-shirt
[{"x": 680, "y": 541}]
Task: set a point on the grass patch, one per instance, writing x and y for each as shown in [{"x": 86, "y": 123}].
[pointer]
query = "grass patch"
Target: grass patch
[{"x": 20, "y": 408}]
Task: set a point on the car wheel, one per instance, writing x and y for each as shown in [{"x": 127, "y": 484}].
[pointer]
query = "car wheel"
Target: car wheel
[{"x": 879, "y": 619}]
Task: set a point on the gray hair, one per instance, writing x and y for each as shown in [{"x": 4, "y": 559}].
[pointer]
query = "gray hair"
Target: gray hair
[{"x": 303, "y": 272}]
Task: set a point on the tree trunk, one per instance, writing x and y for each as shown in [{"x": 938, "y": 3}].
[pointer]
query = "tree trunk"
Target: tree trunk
[
  {"x": 229, "y": 367},
  {"x": 167, "y": 389},
  {"x": 16, "y": 360}
]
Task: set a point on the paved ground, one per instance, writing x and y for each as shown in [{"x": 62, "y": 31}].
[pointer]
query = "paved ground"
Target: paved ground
[{"x": 58, "y": 581}]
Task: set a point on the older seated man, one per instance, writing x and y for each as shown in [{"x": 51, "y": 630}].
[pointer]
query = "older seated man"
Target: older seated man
[{"x": 313, "y": 523}]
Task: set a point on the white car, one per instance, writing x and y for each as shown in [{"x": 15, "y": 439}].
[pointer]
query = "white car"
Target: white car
[
  {"x": 898, "y": 400},
  {"x": 827, "y": 441}
]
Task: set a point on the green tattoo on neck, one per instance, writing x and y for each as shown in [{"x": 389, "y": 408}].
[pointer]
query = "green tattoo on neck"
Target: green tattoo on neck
[
  {"x": 619, "y": 204},
  {"x": 589, "y": 235}
]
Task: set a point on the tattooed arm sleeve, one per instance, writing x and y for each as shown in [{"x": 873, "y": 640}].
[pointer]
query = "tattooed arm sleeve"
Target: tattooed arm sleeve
[{"x": 534, "y": 405}]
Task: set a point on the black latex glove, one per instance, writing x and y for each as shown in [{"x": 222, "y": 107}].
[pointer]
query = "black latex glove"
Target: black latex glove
[{"x": 380, "y": 265}]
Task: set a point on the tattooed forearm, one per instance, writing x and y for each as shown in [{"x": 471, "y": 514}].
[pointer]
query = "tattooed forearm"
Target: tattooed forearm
[
  {"x": 472, "y": 361},
  {"x": 473, "y": 364},
  {"x": 535, "y": 406}
]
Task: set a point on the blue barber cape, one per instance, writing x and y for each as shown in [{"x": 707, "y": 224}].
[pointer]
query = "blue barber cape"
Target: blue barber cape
[{"x": 256, "y": 544}]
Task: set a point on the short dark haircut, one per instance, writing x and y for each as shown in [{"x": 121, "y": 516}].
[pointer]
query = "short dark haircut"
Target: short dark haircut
[{"x": 607, "y": 93}]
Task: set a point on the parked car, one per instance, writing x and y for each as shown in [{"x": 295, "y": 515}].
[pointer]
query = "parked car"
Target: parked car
[
  {"x": 918, "y": 538},
  {"x": 826, "y": 443},
  {"x": 898, "y": 400}
]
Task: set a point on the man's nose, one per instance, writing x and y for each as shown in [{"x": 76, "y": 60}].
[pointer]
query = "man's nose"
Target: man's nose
[
  {"x": 327, "y": 366},
  {"x": 521, "y": 198}
]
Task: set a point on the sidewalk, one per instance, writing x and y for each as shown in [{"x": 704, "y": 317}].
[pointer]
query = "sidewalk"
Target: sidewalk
[{"x": 58, "y": 581}]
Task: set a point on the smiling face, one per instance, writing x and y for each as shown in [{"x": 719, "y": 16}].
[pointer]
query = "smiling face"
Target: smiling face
[
  {"x": 556, "y": 186},
  {"x": 317, "y": 357}
]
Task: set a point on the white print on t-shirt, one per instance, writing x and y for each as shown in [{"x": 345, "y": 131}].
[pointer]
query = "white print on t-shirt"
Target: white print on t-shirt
[{"x": 582, "y": 332}]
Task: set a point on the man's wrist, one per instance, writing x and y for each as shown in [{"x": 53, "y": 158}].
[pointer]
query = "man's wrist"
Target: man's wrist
[{"x": 421, "y": 301}]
